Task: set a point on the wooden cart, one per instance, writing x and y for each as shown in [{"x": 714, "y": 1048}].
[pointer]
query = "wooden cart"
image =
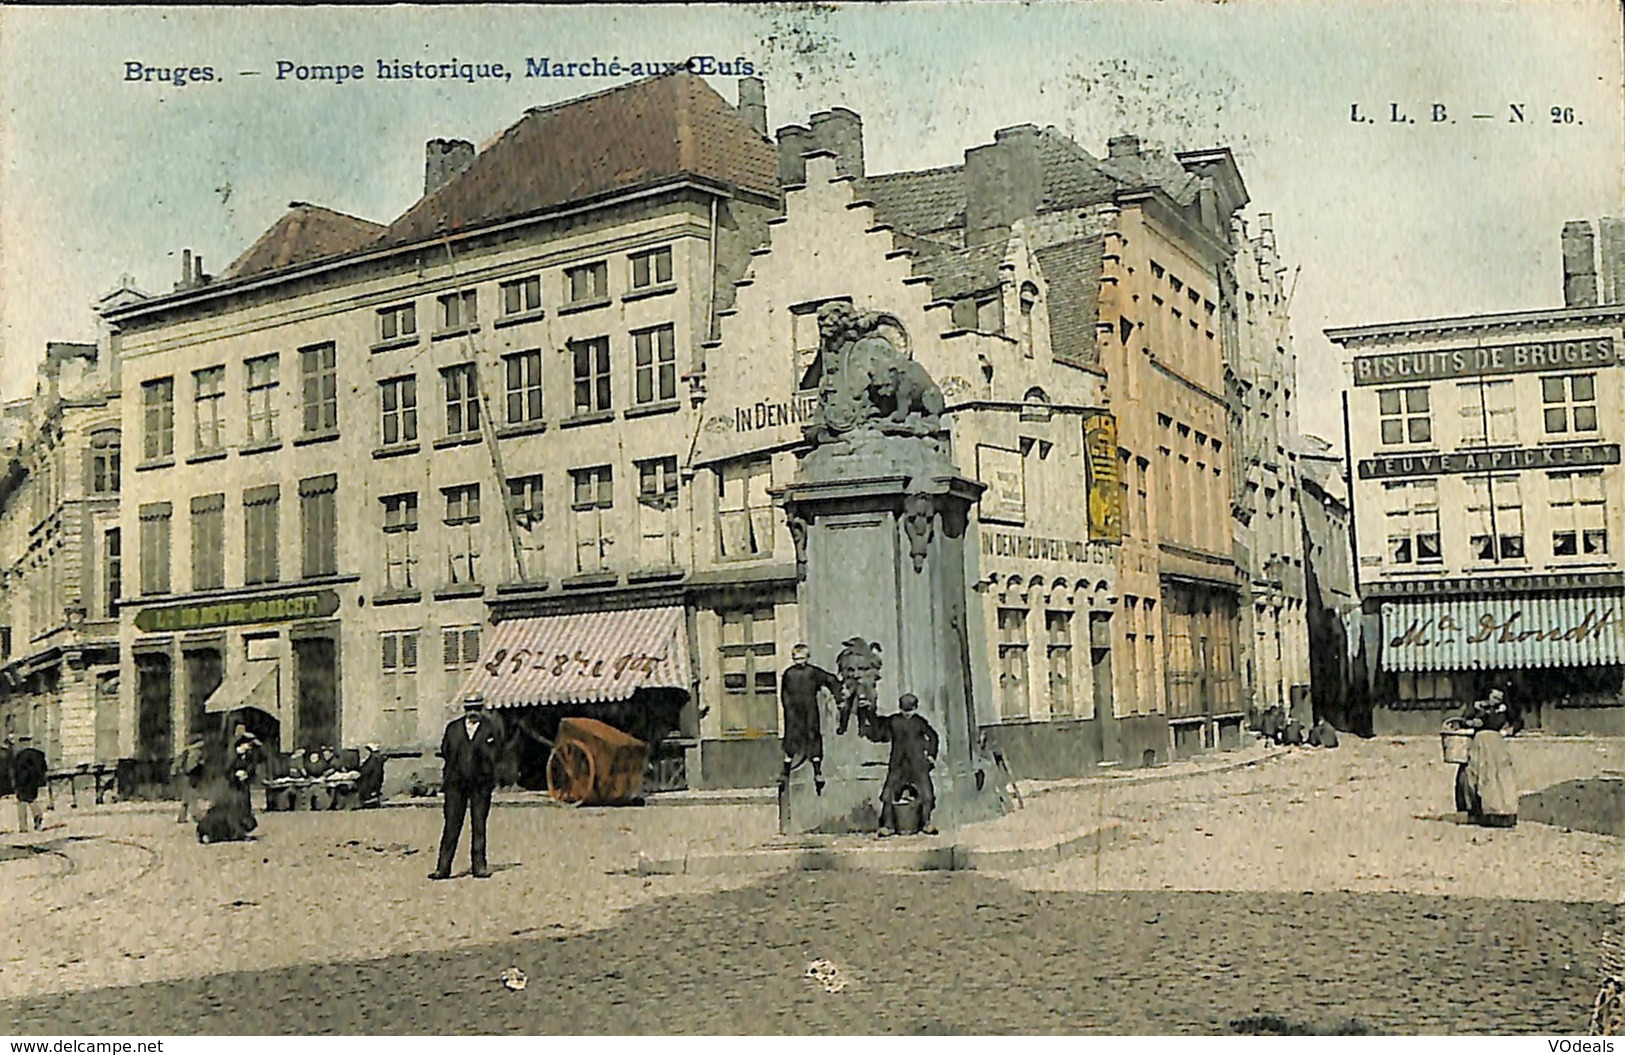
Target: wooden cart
[{"x": 595, "y": 764}]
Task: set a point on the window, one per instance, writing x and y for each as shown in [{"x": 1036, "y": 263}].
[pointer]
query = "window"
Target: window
[
  {"x": 1059, "y": 627},
  {"x": 586, "y": 283},
  {"x": 400, "y": 552},
  {"x": 1013, "y": 663},
  {"x": 808, "y": 343},
  {"x": 209, "y": 542},
  {"x": 522, "y": 296},
  {"x": 590, "y": 504},
  {"x": 750, "y": 682},
  {"x": 113, "y": 570},
  {"x": 655, "y": 356},
  {"x": 260, "y": 509},
  {"x": 399, "y": 686},
  {"x": 657, "y": 512},
  {"x": 1404, "y": 415},
  {"x": 1413, "y": 522},
  {"x": 591, "y": 365},
  {"x": 155, "y": 548},
  {"x": 459, "y": 311},
  {"x": 462, "y": 399},
  {"x": 318, "y": 520},
  {"x": 398, "y": 410},
  {"x": 398, "y": 322},
  {"x": 1423, "y": 692},
  {"x": 262, "y": 397},
  {"x": 745, "y": 510},
  {"x": 1497, "y": 536},
  {"x": 1579, "y": 514},
  {"x": 209, "y": 393},
  {"x": 104, "y": 463},
  {"x": 462, "y": 534},
  {"x": 1571, "y": 403},
  {"x": 460, "y": 647},
  {"x": 318, "y": 370},
  {"x": 525, "y": 499},
  {"x": 5, "y": 642},
  {"x": 1487, "y": 404},
  {"x": 158, "y": 418},
  {"x": 524, "y": 374},
  {"x": 651, "y": 269}
]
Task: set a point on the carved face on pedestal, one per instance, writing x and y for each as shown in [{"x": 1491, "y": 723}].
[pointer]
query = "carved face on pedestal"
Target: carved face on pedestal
[{"x": 858, "y": 667}]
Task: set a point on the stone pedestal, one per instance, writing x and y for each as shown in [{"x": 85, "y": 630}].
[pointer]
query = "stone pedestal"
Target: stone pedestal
[{"x": 880, "y": 528}]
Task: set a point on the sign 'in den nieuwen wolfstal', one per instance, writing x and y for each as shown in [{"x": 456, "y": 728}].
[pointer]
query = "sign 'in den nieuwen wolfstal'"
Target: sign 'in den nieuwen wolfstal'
[
  {"x": 317, "y": 605},
  {"x": 1473, "y": 362},
  {"x": 1570, "y": 457}
]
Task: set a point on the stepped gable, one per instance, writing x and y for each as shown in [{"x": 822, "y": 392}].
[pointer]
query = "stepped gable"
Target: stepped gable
[
  {"x": 304, "y": 234},
  {"x": 626, "y": 137},
  {"x": 1072, "y": 271},
  {"x": 958, "y": 273}
]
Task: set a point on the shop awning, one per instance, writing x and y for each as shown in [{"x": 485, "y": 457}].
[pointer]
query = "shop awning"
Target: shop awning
[
  {"x": 1504, "y": 633},
  {"x": 594, "y": 657},
  {"x": 255, "y": 684}
]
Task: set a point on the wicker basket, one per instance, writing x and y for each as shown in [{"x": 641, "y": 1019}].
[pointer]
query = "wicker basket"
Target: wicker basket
[{"x": 1456, "y": 744}]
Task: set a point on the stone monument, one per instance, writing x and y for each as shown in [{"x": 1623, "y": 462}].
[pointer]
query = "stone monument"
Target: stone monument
[{"x": 878, "y": 513}]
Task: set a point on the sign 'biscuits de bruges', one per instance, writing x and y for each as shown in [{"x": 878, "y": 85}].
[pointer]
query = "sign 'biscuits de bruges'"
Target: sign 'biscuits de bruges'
[
  {"x": 285, "y": 609},
  {"x": 1574, "y": 457},
  {"x": 1396, "y": 367}
]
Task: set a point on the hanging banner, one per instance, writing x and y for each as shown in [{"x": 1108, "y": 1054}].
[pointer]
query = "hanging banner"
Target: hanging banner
[{"x": 1105, "y": 492}]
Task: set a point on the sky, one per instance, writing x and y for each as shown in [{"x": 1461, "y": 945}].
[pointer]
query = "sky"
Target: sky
[{"x": 102, "y": 177}]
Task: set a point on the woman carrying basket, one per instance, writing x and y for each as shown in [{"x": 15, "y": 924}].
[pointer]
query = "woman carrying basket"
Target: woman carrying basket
[{"x": 1486, "y": 789}]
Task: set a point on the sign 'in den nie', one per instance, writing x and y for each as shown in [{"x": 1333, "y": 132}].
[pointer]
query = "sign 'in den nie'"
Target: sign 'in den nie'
[{"x": 1473, "y": 362}]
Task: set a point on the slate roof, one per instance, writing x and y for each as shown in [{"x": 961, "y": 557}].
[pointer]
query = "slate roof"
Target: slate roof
[
  {"x": 929, "y": 202},
  {"x": 630, "y": 136},
  {"x": 961, "y": 272},
  {"x": 1072, "y": 270},
  {"x": 304, "y": 233},
  {"x": 1072, "y": 176}
]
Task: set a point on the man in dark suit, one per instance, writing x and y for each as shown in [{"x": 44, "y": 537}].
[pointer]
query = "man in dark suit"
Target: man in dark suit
[
  {"x": 470, "y": 749},
  {"x": 908, "y": 771}
]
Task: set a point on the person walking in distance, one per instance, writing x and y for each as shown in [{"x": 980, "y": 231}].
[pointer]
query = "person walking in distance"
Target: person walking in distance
[
  {"x": 28, "y": 770},
  {"x": 803, "y": 728},
  {"x": 470, "y": 748}
]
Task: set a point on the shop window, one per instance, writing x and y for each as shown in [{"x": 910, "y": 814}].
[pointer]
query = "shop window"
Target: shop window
[
  {"x": 745, "y": 512},
  {"x": 1013, "y": 701},
  {"x": 318, "y": 517},
  {"x": 208, "y": 399},
  {"x": 654, "y": 353},
  {"x": 522, "y": 296},
  {"x": 1570, "y": 403},
  {"x": 209, "y": 542},
  {"x": 1579, "y": 514},
  {"x": 1413, "y": 522},
  {"x": 462, "y": 399},
  {"x": 462, "y": 534},
  {"x": 657, "y": 512},
  {"x": 525, "y": 499},
  {"x": 399, "y": 685},
  {"x": 589, "y": 361},
  {"x": 155, "y": 548},
  {"x": 750, "y": 678},
  {"x": 590, "y": 505},
  {"x": 523, "y": 372},
  {"x": 1423, "y": 691},
  {"x": 261, "y": 509},
  {"x": 158, "y": 418},
  {"x": 652, "y": 268},
  {"x": 460, "y": 647},
  {"x": 586, "y": 283},
  {"x": 1488, "y": 414},
  {"x": 1495, "y": 511},
  {"x": 319, "y": 389},
  {"x": 1058, "y": 626},
  {"x": 1404, "y": 415},
  {"x": 400, "y": 542},
  {"x": 398, "y": 410},
  {"x": 262, "y": 399}
]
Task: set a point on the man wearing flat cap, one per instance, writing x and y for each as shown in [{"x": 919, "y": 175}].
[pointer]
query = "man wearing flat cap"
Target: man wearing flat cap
[{"x": 470, "y": 749}]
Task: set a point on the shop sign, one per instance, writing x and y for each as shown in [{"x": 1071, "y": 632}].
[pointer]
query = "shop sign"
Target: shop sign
[
  {"x": 1397, "y": 367},
  {"x": 1569, "y": 457},
  {"x": 1105, "y": 493},
  {"x": 1030, "y": 547},
  {"x": 1005, "y": 499},
  {"x": 287, "y": 608},
  {"x": 1523, "y": 584},
  {"x": 799, "y": 409},
  {"x": 1504, "y": 633},
  {"x": 506, "y": 664}
]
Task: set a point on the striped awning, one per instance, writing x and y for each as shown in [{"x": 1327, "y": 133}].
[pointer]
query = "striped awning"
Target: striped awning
[
  {"x": 1504, "y": 633},
  {"x": 594, "y": 657}
]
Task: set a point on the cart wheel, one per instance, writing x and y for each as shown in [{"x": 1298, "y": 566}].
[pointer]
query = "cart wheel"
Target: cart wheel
[{"x": 570, "y": 773}]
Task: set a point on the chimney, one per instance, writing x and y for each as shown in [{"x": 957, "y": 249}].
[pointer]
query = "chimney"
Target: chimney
[
  {"x": 1004, "y": 181},
  {"x": 840, "y": 131},
  {"x": 198, "y": 277},
  {"x": 445, "y": 160},
  {"x": 186, "y": 270},
  {"x": 794, "y": 141},
  {"x": 1611, "y": 260},
  {"x": 753, "y": 103},
  {"x": 1123, "y": 146},
  {"x": 1579, "y": 265}
]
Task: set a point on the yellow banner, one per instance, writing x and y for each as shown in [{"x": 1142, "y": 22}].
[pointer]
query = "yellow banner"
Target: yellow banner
[{"x": 1105, "y": 494}]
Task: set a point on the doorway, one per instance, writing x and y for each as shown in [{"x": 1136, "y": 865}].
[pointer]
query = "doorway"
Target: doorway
[{"x": 316, "y": 710}]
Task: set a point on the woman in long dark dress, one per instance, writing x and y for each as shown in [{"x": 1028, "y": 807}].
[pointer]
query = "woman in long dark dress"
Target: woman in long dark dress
[
  {"x": 231, "y": 817},
  {"x": 1486, "y": 788}
]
